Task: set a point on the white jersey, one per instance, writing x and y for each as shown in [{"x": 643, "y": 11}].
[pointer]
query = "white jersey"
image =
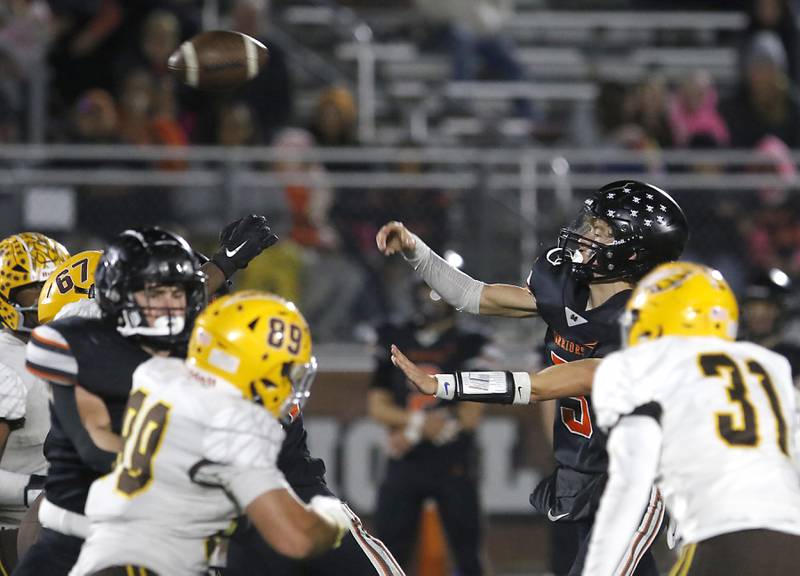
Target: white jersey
[
  {"x": 728, "y": 420},
  {"x": 180, "y": 430},
  {"x": 22, "y": 396}
]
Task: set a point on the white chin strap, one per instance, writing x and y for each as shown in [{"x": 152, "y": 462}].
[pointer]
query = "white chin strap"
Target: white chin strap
[
  {"x": 162, "y": 326},
  {"x": 577, "y": 257}
]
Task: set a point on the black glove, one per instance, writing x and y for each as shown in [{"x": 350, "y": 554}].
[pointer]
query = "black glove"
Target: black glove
[
  {"x": 241, "y": 241},
  {"x": 33, "y": 489}
]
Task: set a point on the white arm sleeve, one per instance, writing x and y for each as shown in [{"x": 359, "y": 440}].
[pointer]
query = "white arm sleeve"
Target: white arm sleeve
[
  {"x": 13, "y": 394},
  {"x": 456, "y": 288},
  {"x": 634, "y": 447}
]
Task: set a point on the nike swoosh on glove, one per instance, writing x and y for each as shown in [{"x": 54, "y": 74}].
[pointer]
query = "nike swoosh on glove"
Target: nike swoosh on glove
[{"x": 241, "y": 241}]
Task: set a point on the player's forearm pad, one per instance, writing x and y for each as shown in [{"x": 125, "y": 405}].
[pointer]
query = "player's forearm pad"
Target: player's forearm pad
[{"x": 487, "y": 387}]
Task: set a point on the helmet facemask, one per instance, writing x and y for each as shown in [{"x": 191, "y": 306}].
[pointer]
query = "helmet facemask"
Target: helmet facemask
[
  {"x": 144, "y": 316},
  {"x": 598, "y": 250},
  {"x": 27, "y": 315},
  {"x": 301, "y": 376}
]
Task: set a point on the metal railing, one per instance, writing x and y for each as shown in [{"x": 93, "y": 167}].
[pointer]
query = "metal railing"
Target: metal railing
[{"x": 533, "y": 184}]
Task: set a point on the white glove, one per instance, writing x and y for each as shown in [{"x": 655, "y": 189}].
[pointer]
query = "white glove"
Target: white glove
[
  {"x": 333, "y": 511},
  {"x": 448, "y": 433}
]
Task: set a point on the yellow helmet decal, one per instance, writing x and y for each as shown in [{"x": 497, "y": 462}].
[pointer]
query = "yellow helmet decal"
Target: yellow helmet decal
[
  {"x": 25, "y": 258},
  {"x": 680, "y": 299},
  {"x": 73, "y": 280},
  {"x": 259, "y": 343}
]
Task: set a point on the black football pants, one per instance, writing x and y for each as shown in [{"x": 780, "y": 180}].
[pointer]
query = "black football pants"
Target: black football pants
[{"x": 401, "y": 498}]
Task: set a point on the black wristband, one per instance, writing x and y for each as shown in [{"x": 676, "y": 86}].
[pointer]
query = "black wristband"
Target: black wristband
[{"x": 224, "y": 263}]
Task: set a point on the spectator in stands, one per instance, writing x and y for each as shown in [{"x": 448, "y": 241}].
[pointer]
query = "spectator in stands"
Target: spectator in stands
[
  {"x": 765, "y": 103},
  {"x": 647, "y": 106},
  {"x": 776, "y": 16},
  {"x": 160, "y": 37},
  {"x": 774, "y": 236},
  {"x": 147, "y": 113},
  {"x": 94, "y": 119},
  {"x": 333, "y": 121},
  {"x": 271, "y": 93},
  {"x": 25, "y": 32},
  {"x": 81, "y": 55},
  {"x": 693, "y": 111},
  {"x": 236, "y": 125},
  {"x": 478, "y": 48}
]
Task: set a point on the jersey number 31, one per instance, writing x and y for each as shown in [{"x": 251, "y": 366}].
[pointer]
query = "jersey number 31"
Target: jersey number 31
[{"x": 723, "y": 366}]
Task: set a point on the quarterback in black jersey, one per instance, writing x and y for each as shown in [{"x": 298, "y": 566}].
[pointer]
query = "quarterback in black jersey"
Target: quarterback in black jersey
[{"x": 579, "y": 288}]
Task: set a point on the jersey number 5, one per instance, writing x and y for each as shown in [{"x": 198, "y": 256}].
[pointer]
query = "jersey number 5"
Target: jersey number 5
[
  {"x": 724, "y": 366},
  {"x": 142, "y": 434},
  {"x": 575, "y": 409}
]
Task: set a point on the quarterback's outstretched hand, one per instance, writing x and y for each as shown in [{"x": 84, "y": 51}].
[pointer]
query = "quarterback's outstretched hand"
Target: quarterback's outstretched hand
[
  {"x": 241, "y": 241},
  {"x": 424, "y": 382},
  {"x": 394, "y": 237}
]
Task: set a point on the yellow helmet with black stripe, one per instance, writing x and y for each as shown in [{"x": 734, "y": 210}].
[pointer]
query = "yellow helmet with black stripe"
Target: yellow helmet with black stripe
[{"x": 25, "y": 259}]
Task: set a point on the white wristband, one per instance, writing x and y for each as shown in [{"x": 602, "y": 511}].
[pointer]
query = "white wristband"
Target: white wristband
[
  {"x": 446, "y": 386},
  {"x": 522, "y": 387}
]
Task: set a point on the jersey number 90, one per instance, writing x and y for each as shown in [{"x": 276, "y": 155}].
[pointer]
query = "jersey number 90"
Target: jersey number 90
[{"x": 142, "y": 432}]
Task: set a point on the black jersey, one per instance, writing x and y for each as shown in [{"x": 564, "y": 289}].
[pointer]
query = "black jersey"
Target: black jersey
[
  {"x": 91, "y": 353},
  {"x": 573, "y": 333},
  {"x": 449, "y": 351}
]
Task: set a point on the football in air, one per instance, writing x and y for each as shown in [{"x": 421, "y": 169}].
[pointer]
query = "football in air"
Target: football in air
[{"x": 218, "y": 60}]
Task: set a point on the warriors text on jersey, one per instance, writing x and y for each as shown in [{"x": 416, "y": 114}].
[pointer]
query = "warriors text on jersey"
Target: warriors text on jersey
[
  {"x": 186, "y": 436},
  {"x": 23, "y": 405},
  {"x": 728, "y": 422},
  {"x": 573, "y": 333}
]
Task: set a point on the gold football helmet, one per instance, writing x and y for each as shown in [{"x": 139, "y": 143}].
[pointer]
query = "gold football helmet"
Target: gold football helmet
[
  {"x": 70, "y": 282},
  {"x": 260, "y": 344},
  {"x": 680, "y": 299},
  {"x": 25, "y": 258}
]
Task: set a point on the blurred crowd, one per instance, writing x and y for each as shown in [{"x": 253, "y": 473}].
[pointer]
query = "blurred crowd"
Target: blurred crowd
[{"x": 104, "y": 65}]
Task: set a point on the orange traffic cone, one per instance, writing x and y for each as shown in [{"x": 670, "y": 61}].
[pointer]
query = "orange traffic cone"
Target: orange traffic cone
[{"x": 431, "y": 552}]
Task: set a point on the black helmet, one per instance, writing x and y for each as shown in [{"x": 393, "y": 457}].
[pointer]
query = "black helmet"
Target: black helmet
[
  {"x": 773, "y": 285},
  {"x": 141, "y": 258},
  {"x": 647, "y": 228}
]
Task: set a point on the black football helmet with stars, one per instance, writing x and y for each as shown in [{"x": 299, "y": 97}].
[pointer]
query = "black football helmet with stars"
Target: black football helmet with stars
[{"x": 647, "y": 227}]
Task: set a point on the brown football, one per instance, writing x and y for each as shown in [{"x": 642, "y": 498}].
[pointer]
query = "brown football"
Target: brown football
[{"x": 218, "y": 60}]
